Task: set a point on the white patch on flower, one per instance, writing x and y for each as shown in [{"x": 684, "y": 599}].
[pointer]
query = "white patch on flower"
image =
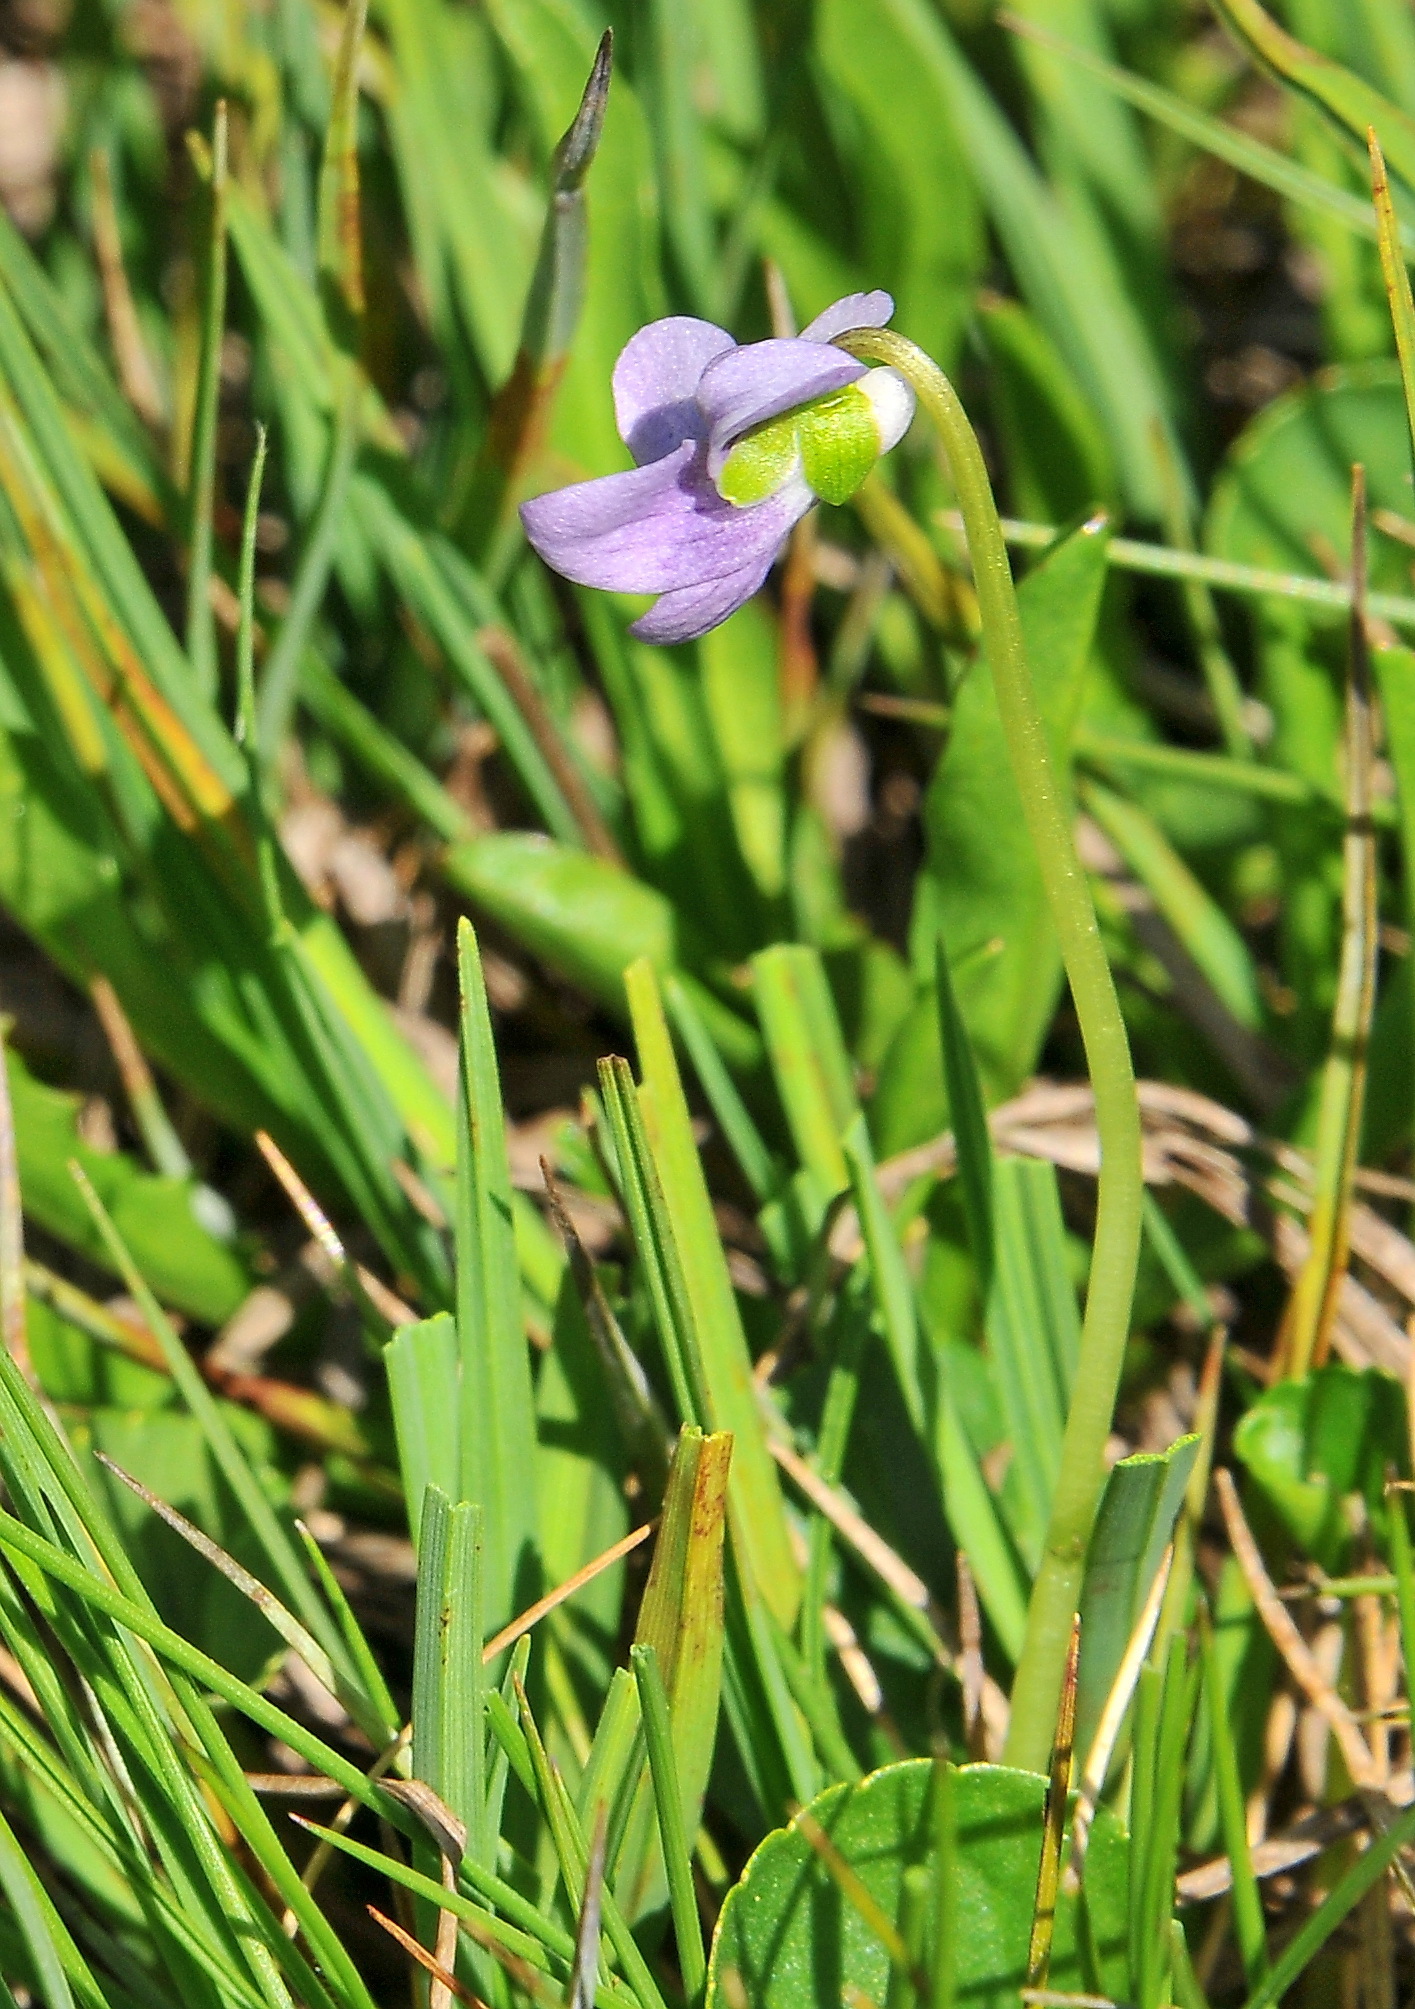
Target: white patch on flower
[{"x": 892, "y": 403}]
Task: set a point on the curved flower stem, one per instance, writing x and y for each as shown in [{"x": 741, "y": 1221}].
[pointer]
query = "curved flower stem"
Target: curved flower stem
[{"x": 1037, "y": 1685}]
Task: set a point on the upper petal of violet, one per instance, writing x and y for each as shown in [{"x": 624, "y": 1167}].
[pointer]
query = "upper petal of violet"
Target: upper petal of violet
[
  {"x": 656, "y": 380},
  {"x": 856, "y": 310},
  {"x": 746, "y": 386}
]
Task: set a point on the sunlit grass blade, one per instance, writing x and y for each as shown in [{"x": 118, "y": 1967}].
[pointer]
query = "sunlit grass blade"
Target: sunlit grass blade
[
  {"x": 932, "y": 1407},
  {"x": 1143, "y": 1496},
  {"x": 573, "y": 1853},
  {"x": 201, "y": 476},
  {"x": 497, "y": 1417},
  {"x": 1312, "y": 1311},
  {"x": 1348, "y": 101},
  {"x": 448, "y": 1748},
  {"x": 1251, "y": 156},
  {"x": 1249, "y": 1926},
  {"x": 726, "y": 1364},
  {"x": 1397, "y": 278}
]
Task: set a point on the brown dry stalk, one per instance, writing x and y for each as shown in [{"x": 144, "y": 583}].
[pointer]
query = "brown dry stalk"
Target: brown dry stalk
[
  {"x": 1297, "y": 1655},
  {"x": 443, "y": 1977}
]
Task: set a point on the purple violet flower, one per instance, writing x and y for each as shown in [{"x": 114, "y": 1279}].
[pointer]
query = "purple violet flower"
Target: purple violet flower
[{"x": 733, "y": 444}]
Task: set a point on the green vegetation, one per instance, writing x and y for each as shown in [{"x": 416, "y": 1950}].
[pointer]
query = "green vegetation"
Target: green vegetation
[{"x": 724, "y": 1325}]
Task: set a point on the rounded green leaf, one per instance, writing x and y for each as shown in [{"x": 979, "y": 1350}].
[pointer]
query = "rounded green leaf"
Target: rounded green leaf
[
  {"x": 1283, "y": 500},
  {"x": 793, "y": 1940}
]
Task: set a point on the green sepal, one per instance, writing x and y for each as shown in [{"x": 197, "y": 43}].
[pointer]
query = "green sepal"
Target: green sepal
[
  {"x": 840, "y": 443},
  {"x": 760, "y": 461}
]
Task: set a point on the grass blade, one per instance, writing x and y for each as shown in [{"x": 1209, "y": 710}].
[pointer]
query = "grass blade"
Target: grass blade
[{"x": 201, "y": 480}]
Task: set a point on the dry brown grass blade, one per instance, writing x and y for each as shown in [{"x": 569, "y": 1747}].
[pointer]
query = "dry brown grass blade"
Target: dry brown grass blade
[
  {"x": 503, "y": 652},
  {"x": 386, "y": 1304},
  {"x": 533, "y": 1614},
  {"x": 1296, "y": 1654},
  {"x": 135, "y": 371},
  {"x": 343, "y": 1819},
  {"x": 1054, "y": 1820},
  {"x": 1280, "y": 1853},
  {"x": 442, "y": 1977},
  {"x": 1190, "y": 1140}
]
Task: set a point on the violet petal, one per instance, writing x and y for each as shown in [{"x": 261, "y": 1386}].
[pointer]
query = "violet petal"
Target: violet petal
[
  {"x": 655, "y": 528},
  {"x": 856, "y": 310},
  {"x": 748, "y": 385},
  {"x": 689, "y": 611},
  {"x": 655, "y": 379}
]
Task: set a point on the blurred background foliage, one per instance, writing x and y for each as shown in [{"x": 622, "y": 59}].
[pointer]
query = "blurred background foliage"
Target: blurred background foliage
[{"x": 360, "y": 1213}]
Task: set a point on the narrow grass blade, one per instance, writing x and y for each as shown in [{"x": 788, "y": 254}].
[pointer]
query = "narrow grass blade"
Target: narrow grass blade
[
  {"x": 749, "y": 1148},
  {"x": 521, "y": 408},
  {"x": 201, "y": 479},
  {"x": 580, "y": 1992},
  {"x": 759, "y": 1514},
  {"x": 448, "y": 1737},
  {"x": 808, "y": 1058},
  {"x": 497, "y": 1429},
  {"x": 520, "y": 1927},
  {"x": 1261, "y": 163},
  {"x": 1346, "y": 100},
  {"x": 281, "y": 674},
  {"x": 1134, "y": 1526},
  {"x": 340, "y": 251},
  {"x": 1312, "y": 1311},
  {"x": 1249, "y": 1926},
  {"x": 1195, "y": 916},
  {"x": 1397, "y": 278},
  {"x": 574, "y": 1856},
  {"x": 971, "y": 1509},
  {"x": 968, "y": 1113},
  {"x": 424, "y": 1386},
  {"x": 681, "y": 1615},
  {"x": 39, "y": 1926}
]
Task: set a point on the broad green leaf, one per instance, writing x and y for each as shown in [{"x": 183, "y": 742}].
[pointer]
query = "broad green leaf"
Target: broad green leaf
[
  {"x": 793, "y": 1939},
  {"x": 981, "y": 884},
  {"x": 159, "y": 1218},
  {"x": 1285, "y": 489},
  {"x": 1309, "y": 1445}
]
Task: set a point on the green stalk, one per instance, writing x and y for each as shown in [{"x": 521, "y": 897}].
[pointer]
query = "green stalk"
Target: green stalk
[{"x": 1037, "y": 1686}]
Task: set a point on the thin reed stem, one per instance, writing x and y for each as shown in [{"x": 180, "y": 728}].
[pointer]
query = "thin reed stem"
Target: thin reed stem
[{"x": 1037, "y": 1685}]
